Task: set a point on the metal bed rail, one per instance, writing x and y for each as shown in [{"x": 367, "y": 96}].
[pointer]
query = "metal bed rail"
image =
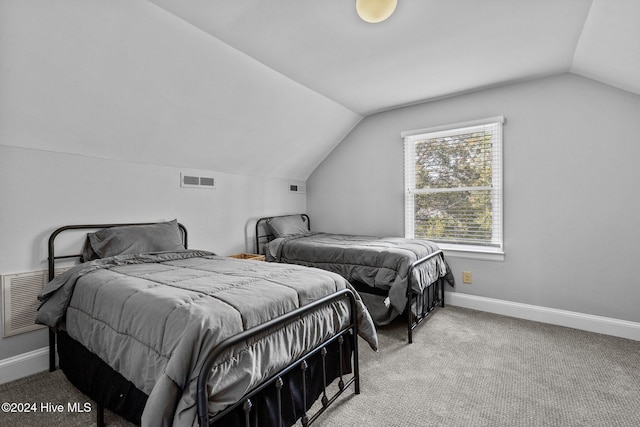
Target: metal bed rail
[
  {"x": 52, "y": 258},
  {"x": 434, "y": 295},
  {"x": 276, "y": 380},
  {"x": 265, "y": 236}
]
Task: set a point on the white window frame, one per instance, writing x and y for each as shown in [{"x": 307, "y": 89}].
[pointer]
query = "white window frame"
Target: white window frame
[{"x": 496, "y": 250}]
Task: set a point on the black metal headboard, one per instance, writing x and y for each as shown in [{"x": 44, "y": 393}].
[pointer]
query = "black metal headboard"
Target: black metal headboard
[
  {"x": 263, "y": 232},
  {"x": 52, "y": 257}
]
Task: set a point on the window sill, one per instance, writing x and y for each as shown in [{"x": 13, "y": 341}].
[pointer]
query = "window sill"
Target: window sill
[{"x": 480, "y": 253}]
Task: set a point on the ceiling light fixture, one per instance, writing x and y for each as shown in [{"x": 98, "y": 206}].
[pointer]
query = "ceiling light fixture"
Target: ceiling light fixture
[{"x": 375, "y": 11}]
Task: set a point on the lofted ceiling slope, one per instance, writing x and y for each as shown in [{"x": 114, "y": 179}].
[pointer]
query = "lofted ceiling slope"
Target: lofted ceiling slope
[
  {"x": 269, "y": 88},
  {"x": 126, "y": 80},
  {"x": 609, "y": 47},
  {"x": 428, "y": 49}
]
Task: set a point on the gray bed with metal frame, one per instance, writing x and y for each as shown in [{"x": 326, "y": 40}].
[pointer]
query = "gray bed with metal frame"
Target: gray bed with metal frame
[
  {"x": 296, "y": 373},
  {"x": 421, "y": 298}
]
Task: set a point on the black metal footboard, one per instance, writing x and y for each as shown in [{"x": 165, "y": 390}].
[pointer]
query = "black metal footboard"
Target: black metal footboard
[
  {"x": 426, "y": 301},
  {"x": 276, "y": 381}
]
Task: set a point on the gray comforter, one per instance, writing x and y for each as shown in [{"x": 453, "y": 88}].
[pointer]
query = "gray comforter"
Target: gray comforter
[
  {"x": 379, "y": 262},
  {"x": 155, "y": 317}
]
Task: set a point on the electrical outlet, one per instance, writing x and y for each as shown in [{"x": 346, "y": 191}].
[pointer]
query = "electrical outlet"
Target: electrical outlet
[{"x": 466, "y": 277}]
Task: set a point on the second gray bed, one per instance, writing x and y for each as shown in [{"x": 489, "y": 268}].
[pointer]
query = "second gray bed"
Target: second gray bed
[{"x": 381, "y": 264}]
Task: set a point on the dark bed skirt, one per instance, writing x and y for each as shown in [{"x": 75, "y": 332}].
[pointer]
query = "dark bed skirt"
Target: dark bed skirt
[
  {"x": 97, "y": 380},
  {"x": 105, "y": 386}
]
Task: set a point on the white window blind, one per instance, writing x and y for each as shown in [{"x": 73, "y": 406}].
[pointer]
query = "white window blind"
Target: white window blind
[{"x": 453, "y": 181}]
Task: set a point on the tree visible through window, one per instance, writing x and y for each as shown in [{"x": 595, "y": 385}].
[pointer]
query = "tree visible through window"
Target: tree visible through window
[{"x": 453, "y": 179}]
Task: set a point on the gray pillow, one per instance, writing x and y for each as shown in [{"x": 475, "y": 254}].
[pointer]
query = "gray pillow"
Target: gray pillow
[
  {"x": 134, "y": 239},
  {"x": 288, "y": 225},
  {"x": 87, "y": 251}
]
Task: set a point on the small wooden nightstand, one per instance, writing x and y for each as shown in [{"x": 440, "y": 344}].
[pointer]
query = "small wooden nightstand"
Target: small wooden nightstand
[{"x": 255, "y": 257}]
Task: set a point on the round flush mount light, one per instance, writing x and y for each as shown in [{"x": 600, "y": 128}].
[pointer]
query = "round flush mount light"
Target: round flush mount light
[{"x": 375, "y": 11}]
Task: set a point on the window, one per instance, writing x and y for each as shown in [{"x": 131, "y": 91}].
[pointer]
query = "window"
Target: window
[{"x": 453, "y": 184}]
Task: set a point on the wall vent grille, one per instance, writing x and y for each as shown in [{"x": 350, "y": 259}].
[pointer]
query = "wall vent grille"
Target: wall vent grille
[
  {"x": 297, "y": 187},
  {"x": 197, "y": 181},
  {"x": 20, "y": 300}
]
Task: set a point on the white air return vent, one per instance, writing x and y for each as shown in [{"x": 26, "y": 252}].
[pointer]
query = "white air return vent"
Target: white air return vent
[
  {"x": 297, "y": 187},
  {"x": 20, "y": 300},
  {"x": 197, "y": 181}
]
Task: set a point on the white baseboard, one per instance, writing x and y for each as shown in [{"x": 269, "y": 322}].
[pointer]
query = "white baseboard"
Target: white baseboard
[
  {"x": 570, "y": 319},
  {"x": 23, "y": 365}
]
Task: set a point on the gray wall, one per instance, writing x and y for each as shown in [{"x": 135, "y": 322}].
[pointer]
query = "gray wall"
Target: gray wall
[
  {"x": 571, "y": 199},
  {"x": 41, "y": 191}
]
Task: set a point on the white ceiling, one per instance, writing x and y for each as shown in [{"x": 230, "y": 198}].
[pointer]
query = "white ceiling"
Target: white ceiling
[
  {"x": 270, "y": 87},
  {"x": 428, "y": 49},
  {"x": 609, "y": 47}
]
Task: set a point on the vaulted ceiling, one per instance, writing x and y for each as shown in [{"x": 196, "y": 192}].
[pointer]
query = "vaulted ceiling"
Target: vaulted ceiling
[
  {"x": 269, "y": 88},
  {"x": 429, "y": 48}
]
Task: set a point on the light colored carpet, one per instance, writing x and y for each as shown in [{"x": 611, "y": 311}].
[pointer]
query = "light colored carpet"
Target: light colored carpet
[
  {"x": 465, "y": 368},
  {"x": 50, "y": 388},
  {"x": 469, "y": 368}
]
